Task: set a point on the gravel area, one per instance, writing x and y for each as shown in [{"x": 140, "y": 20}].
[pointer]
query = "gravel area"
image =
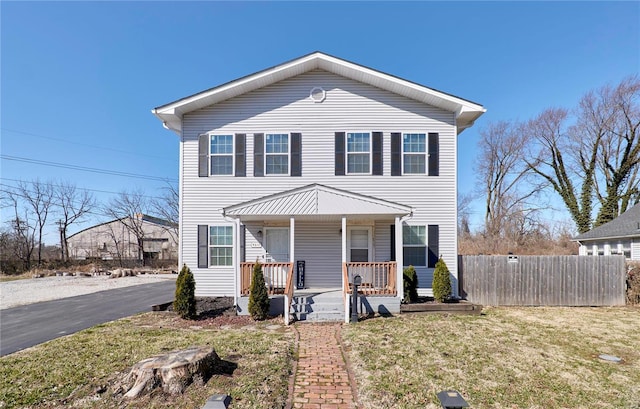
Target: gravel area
[{"x": 22, "y": 292}]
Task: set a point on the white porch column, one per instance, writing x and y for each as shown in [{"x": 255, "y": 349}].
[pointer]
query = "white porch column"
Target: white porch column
[
  {"x": 292, "y": 239},
  {"x": 236, "y": 262},
  {"x": 344, "y": 260},
  {"x": 399, "y": 260}
]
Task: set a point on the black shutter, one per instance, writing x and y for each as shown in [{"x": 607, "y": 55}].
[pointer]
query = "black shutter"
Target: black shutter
[
  {"x": 203, "y": 246},
  {"x": 376, "y": 150},
  {"x": 392, "y": 233},
  {"x": 434, "y": 160},
  {"x": 296, "y": 154},
  {"x": 241, "y": 148},
  {"x": 396, "y": 154},
  {"x": 433, "y": 239},
  {"x": 243, "y": 243},
  {"x": 258, "y": 154},
  {"x": 340, "y": 154},
  {"x": 203, "y": 155}
]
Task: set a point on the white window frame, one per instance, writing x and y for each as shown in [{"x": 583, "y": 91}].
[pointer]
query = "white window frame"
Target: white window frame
[
  {"x": 425, "y": 153},
  {"x": 425, "y": 245},
  {"x": 370, "y": 247},
  {"x": 211, "y": 246},
  {"x": 232, "y": 154},
  {"x": 347, "y": 153},
  {"x": 266, "y": 134}
]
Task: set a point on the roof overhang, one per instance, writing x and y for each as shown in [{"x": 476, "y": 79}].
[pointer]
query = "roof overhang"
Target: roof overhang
[
  {"x": 315, "y": 201},
  {"x": 466, "y": 112},
  {"x": 604, "y": 238}
]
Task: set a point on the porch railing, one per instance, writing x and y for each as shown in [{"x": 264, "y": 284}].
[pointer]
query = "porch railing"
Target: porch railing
[
  {"x": 377, "y": 278},
  {"x": 276, "y": 278}
]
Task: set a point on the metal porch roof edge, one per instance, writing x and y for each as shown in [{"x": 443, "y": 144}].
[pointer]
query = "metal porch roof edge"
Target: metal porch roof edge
[
  {"x": 315, "y": 199},
  {"x": 466, "y": 111}
]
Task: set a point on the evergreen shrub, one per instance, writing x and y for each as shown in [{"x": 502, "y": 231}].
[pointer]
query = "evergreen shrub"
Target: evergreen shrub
[
  {"x": 441, "y": 282},
  {"x": 258, "y": 296},
  {"x": 410, "y": 284},
  {"x": 185, "y": 297}
]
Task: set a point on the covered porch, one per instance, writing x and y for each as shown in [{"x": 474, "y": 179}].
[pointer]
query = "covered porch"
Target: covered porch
[{"x": 318, "y": 238}]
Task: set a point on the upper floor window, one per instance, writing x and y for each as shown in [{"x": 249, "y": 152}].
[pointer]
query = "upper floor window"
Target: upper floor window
[
  {"x": 221, "y": 154},
  {"x": 414, "y": 153},
  {"x": 277, "y": 154},
  {"x": 358, "y": 152}
]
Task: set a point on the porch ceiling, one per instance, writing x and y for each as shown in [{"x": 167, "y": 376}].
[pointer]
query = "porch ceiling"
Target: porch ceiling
[{"x": 316, "y": 202}]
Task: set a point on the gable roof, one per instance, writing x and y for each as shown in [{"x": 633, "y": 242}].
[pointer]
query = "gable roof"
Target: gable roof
[
  {"x": 625, "y": 225},
  {"x": 315, "y": 200},
  {"x": 145, "y": 218},
  {"x": 466, "y": 111}
]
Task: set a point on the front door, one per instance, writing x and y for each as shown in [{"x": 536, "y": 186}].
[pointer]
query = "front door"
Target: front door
[
  {"x": 276, "y": 245},
  {"x": 359, "y": 242}
]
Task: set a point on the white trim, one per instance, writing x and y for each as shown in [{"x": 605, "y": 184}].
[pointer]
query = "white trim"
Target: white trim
[
  {"x": 264, "y": 152},
  {"x": 181, "y": 207},
  {"x": 346, "y": 154},
  {"x": 233, "y": 246},
  {"x": 292, "y": 240}
]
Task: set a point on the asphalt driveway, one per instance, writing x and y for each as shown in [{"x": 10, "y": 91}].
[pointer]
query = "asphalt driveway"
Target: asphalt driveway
[{"x": 28, "y": 325}]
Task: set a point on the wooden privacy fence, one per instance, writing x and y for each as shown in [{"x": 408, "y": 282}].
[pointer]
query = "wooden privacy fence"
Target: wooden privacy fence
[{"x": 543, "y": 280}]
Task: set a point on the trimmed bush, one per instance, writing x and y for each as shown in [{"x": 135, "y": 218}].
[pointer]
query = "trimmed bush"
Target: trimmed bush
[
  {"x": 258, "y": 296},
  {"x": 185, "y": 298},
  {"x": 410, "y": 284},
  {"x": 441, "y": 282}
]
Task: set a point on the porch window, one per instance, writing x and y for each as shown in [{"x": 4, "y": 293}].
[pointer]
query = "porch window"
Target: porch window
[
  {"x": 358, "y": 153},
  {"x": 220, "y": 245},
  {"x": 277, "y": 154},
  {"x": 414, "y": 153},
  {"x": 414, "y": 251},
  {"x": 221, "y": 154}
]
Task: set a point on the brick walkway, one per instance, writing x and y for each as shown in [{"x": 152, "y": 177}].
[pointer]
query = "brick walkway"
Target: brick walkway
[{"x": 322, "y": 378}]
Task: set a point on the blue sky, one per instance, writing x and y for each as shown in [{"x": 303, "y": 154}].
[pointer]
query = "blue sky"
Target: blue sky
[{"x": 78, "y": 79}]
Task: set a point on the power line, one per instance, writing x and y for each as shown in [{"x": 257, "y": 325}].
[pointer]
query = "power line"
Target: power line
[
  {"x": 83, "y": 144},
  {"x": 86, "y": 169},
  {"x": 80, "y": 188}
]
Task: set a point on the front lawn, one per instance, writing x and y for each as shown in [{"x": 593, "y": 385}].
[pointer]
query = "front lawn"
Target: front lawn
[
  {"x": 506, "y": 358},
  {"x": 80, "y": 370}
]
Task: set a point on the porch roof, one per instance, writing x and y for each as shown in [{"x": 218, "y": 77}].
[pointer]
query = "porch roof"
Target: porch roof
[{"x": 315, "y": 200}]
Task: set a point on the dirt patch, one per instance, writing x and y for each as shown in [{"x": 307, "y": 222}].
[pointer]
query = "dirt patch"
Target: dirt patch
[{"x": 213, "y": 312}]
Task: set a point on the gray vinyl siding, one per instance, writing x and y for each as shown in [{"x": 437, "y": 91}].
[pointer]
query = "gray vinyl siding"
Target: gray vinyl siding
[
  {"x": 285, "y": 107},
  {"x": 635, "y": 249}
]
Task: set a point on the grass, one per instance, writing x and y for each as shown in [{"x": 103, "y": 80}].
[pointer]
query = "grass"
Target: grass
[
  {"x": 68, "y": 371},
  {"x": 506, "y": 358}
]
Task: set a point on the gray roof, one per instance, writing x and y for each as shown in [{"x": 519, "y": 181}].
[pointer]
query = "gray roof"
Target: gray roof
[{"x": 625, "y": 225}]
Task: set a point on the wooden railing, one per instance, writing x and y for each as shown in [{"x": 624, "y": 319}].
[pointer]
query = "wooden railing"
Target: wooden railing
[
  {"x": 377, "y": 278},
  {"x": 288, "y": 291},
  {"x": 278, "y": 278}
]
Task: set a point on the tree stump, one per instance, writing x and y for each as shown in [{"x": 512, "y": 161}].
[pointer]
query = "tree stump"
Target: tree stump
[{"x": 173, "y": 371}]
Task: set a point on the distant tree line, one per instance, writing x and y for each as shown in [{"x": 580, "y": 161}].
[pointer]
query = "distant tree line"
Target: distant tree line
[
  {"x": 587, "y": 156},
  {"x": 37, "y": 204}
]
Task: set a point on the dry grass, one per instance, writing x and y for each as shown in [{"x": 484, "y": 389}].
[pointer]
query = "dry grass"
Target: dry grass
[
  {"x": 507, "y": 358},
  {"x": 68, "y": 371}
]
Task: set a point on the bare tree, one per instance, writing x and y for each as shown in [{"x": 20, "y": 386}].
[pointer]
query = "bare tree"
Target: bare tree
[
  {"x": 167, "y": 208},
  {"x": 21, "y": 239},
  {"x": 129, "y": 209},
  {"x": 504, "y": 177},
  {"x": 597, "y": 156},
  {"x": 74, "y": 204},
  {"x": 464, "y": 213},
  {"x": 38, "y": 199}
]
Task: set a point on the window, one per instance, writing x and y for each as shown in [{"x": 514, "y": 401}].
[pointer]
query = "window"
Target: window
[
  {"x": 277, "y": 154},
  {"x": 220, "y": 245},
  {"x": 358, "y": 153},
  {"x": 414, "y": 240},
  {"x": 221, "y": 154},
  {"x": 414, "y": 153}
]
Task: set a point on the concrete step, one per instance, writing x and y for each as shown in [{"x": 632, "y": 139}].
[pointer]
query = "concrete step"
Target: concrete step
[
  {"x": 315, "y": 307},
  {"x": 325, "y": 316}
]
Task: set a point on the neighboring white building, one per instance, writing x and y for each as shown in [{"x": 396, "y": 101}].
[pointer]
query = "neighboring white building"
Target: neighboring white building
[
  {"x": 322, "y": 160},
  {"x": 619, "y": 236},
  {"x": 114, "y": 241}
]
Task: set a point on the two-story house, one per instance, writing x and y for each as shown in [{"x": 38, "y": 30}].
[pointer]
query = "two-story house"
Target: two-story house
[{"x": 321, "y": 160}]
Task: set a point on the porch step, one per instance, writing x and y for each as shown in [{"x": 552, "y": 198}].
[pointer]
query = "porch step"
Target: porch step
[{"x": 327, "y": 306}]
